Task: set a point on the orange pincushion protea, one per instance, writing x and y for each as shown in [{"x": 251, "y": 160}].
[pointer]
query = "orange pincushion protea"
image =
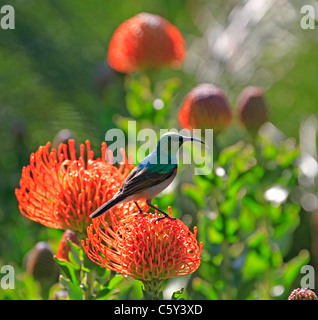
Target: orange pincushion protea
[
  {"x": 146, "y": 41},
  {"x": 144, "y": 248},
  {"x": 61, "y": 191},
  {"x": 205, "y": 107}
]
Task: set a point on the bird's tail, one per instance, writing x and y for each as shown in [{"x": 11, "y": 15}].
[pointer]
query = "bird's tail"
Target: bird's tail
[{"x": 106, "y": 206}]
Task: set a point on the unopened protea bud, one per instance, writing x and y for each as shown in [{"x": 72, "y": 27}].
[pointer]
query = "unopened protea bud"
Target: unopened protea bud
[
  {"x": 62, "y": 137},
  {"x": 41, "y": 265},
  {"x": 252, "y": 109},
  {"x": 63, "y": 248},
  {"x": 205, "y": 107},
  {"x": 146, "y": 41},
  {"x": 302, "y": 294}
]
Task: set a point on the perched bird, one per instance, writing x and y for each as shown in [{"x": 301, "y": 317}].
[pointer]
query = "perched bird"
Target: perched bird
[{"x": 151, "y": 176}]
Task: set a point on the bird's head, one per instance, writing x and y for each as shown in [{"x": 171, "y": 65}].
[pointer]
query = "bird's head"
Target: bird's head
[{"x": 170, "y": 142}]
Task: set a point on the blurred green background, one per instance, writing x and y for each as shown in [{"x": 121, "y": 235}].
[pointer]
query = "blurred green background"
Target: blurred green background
[{"x": 53, "y": 77}]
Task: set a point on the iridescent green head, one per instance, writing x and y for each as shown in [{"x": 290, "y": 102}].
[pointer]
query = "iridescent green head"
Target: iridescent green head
[{"x": 170, "y": 142}]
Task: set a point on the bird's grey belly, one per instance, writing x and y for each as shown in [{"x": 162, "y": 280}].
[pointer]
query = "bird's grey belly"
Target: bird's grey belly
[{"x": 151, "y": 192}]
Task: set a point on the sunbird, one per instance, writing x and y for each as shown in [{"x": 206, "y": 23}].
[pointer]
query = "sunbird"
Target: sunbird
[{"x": 151, "y": 176}]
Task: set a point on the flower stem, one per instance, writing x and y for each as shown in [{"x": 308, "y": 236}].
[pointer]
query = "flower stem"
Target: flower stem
[
  {"x": 90, "y": 278},
  {"x": 153, "y": 288}
]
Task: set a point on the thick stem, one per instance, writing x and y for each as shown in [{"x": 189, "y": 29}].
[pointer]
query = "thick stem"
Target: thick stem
[
  {"x": 90, "y": 278},
  {"x": 153, "y": 287},
  {"x": 226, "y": 269}
]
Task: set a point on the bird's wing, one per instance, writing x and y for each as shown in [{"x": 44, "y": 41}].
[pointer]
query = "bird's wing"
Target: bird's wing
[{"x": 142, "y": 178}]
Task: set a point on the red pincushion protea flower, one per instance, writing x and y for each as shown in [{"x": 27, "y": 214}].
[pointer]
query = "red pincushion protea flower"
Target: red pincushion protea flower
[
  {"x": 147, "y": 250},
  {"x": 145, "y": 41},
  {"x": 251, "y": 105},
  {"x": 61, "y": 192},
  {"x": 302, "y": 294},
  {"x": 205, "y": 107}
]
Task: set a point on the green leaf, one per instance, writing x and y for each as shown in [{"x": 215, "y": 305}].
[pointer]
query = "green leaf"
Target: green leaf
[
  {"x": 168, "y": 89},
  {"x": 134, "y": 105},
  {"x": 228, "y": 206},
  {"x": 217, "y": 259},
  {"x": 256, "y": 238},
  {"x": 231, "y": 227},
  {"x": 288, "y": 221},
  {"x": 74, "y": 290},
  {"x": 205, "y": 288},
  {"x": 114, "y": 281},
  {"x": 203, "y": 183},
  {"x": 234, "y": 188},
  {"x": 285, "y": 159},
  {"x": 103, "y": 294},
  {"x": 75, "y": 255},
  {"x": 255, "y": 264},
  {"x": 68, "y": 270},
  {"x": 195, "y": 194},
  {"x": 292, "y": 267},
  {"x": 176, "y": 295},
  {"x": 138, "y": 96},
  {"x": 275, "y": 212},
  {"x": 270, "y": 151},
  {"x": 246, "y": 220},
  {"x": 253, "y": 206},
  {"x": 229, "y": 153},
  {"x": 276, "y": 257},
  {"x": 215, "y": 236}
]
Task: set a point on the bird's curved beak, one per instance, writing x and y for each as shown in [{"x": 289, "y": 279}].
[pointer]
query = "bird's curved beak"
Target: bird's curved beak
[{"x": 195, "y": 139}]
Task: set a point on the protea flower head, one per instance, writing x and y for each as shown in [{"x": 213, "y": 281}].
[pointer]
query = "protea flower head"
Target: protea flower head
[
  {"x": 252, "y": 108},
  {"x": 63, "y": 248},
  {"x": 146, "y": 41},
  {"x": 302, "y": 294},
  {"x": 143, "y": 248},
  {"x": 61, "y": 192},
  {"x": 205, "y": 107}
]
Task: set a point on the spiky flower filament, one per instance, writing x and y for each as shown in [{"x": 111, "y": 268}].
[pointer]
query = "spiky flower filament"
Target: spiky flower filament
[
  {"x": 144, "y": 248},
  {"x": 59, "y": 190}
]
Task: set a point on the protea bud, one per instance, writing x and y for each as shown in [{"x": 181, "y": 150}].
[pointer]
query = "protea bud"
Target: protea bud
[
  {"x": 205, "y": 107},
  {"x": 62, "y": 137},
  {"x": 146, "y": 41},
  {"x": 63, "y": 248},
  {"x": 252, "y": 109},
  {"x": 302, "y": 294},
  {"x": 41, "y": 265}
]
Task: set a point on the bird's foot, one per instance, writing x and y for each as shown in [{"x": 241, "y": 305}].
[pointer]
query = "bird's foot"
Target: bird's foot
[
  {"x": 166, "y": 216},
  {"x": 140, "y": 210}
]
